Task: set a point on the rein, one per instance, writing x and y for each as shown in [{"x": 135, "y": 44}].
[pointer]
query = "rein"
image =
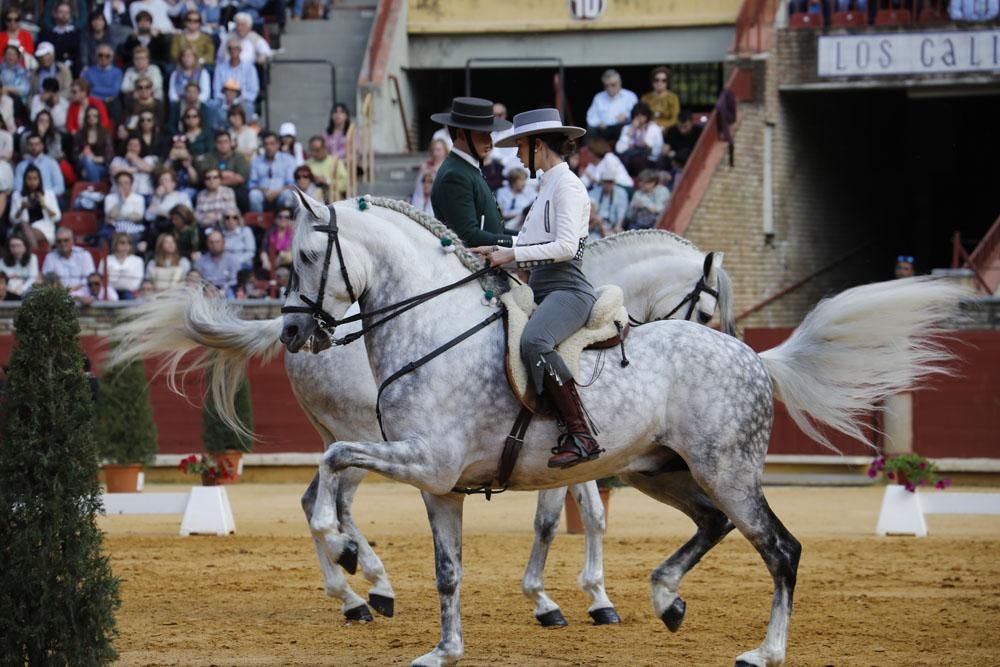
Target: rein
[{"x": 691, "y": 299}]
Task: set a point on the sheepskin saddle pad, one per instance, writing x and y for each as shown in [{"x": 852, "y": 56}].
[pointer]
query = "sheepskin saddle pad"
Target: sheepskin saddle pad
[{"x": 607, "y": 318}]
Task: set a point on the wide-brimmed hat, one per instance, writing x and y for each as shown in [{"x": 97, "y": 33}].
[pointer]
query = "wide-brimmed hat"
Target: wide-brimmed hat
[
  {"x": 538, "y": 121},
  {"x": 471, "y": 113}
]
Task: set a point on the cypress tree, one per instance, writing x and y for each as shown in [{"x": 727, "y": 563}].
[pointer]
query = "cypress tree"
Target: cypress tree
[
  {"x": 57, "y": 593},
  {"x": 126, "y": 432},
  {"x": 218, "y": 437}
]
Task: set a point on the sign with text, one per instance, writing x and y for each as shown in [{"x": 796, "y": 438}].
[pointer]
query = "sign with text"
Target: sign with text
[{"x": 909, "y": 53}]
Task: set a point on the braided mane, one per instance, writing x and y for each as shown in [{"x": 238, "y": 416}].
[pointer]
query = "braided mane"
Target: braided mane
[{"x": 645, "y": 242}]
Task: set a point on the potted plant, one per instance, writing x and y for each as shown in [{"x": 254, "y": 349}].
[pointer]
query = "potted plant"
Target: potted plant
[
  {"x": 212, "y": 471},
  {"x": 221, "y": 442},
  {"x": 126, "y": 432},
  {"x": 910, "y": 470},
  {"x": 574, "y": 523}
]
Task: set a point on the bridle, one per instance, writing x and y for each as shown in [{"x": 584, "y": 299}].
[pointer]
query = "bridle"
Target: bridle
[{"x": 691, "y": 299}]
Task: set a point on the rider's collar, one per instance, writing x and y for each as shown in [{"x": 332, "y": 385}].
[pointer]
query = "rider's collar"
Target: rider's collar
[{"x": 465, "y": 156}]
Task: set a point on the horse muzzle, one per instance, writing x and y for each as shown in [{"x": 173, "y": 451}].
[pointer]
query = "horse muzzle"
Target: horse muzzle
[{"x": 296, "y": 330}]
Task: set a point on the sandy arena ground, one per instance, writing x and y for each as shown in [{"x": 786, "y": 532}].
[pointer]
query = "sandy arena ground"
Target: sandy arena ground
[{"x": 256, "y": 598}]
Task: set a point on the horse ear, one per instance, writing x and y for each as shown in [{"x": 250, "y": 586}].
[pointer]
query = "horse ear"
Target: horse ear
[
  {"x": 307, "y": 202},
  {"x": 708, "y": 264}
]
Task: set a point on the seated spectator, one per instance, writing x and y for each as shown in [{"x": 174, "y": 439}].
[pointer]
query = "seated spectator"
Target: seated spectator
[
  {"x": 79, "y": 99},
  {"x": 515, "y": 197},
  {"x": 904, "y": 267},
  {"x": 105, "y": 80},
  {"x": 288, "y": 143},
  {"x": 194, "y": 279},
  {"x": 198, "y": 136},
  {"x": 50, "y": 101},
  {"x": 278, "y": 242},
  {"x": 64, "y": 37},
  {"x": 190, "y": 99},
  {"x": 186, "y": 231},
  {"x": 610, "y": 203},
  {"x": 194, "y": 38},
  {"x": 329, "y": 172},
  {"x": 20, "y": 265},
  {"x": 124, "y": 210},
  {"x": 70, "y": 264},
  {"x": 99, "y": 34},
  {"x": 682, "y": 137},
  {"x": 422, "y": 200},
  {"x": 6, "y": 295},
  {"x": 336, "y": 133},
  {"x": 214, "y": 200},
  {"x": 14, "y": 78},
  {"x": 149, "y": 133},
  {"x": 282, "y": 277},
  {"x": 271, "y": 177},
  {"x": 240, "y": 242},
  {"x": 662, "y": 102},
  {"x": 141, "y": 101},
  {"x": 244, "y": 136},
  {"x": 123, "y": 268},
  {"x": 180, "y": 160},
  {"x": 158, "y": 12},
  {"x": 92, "y": 145},
  {"x": 230, "y": 70},
  {"x": 58, "y": 145},
  {"x": 93, "y": 291},
  {"x": 168, "y": 268},
  {"x": 216, "y": 266},
  {"x": 305, "y": 181},
  {"x": 165, "y": 198},
  {"x": 14, "y": 35},
  {"x": 234, "y": 167},
  {"x": 189, "y": 70},
  {"x": 641, "y": 141},
  {"x": 607, "y": 163},
  {"x": 507, "y": 157},
  {"x": 610, "y": 109},
  {"x": 254, "y": 49},
  {"x": 140, "y": 168},
  {"x": 437, "y": 152},
  {"x": 231, "y": 99},
  {"x": 147, "y": 36},
  {"x": 648, "y": 202},
  {"x": 246, "y": 286},
  {"x": 52, "y": 178},
  {"x": 973, "y": 10},
  {"x": 6, "y": 135},
  {"x": 50, "y": 68},
  {"x": 141, "y": 69}
]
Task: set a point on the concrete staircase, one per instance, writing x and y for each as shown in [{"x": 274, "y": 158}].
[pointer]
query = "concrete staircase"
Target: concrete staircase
[
  {"x": 302, "y": 93},
  {"x": 395, "y": 175}
]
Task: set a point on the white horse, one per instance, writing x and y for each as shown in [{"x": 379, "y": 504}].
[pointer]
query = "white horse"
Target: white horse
[
  {"x": 661, "y": 274},
  {"x": 688, "y": 422}
]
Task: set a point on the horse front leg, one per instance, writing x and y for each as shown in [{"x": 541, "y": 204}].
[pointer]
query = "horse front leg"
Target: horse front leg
[
  {"x": 445, "y": 516},
  {"x": 334, "y": 582},
  {"x": 588, "y": 498},
  {"x": 550, "y": 504},
  {"x": 434, "y": 469},
  {"x": 380, "y": 596}
]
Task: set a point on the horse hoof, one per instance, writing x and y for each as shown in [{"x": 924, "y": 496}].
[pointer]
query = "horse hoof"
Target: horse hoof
[
  {"x": 606, "y": 616},
  {"x": 552, "y": 619},
  {"x": 382, "y": 604},
  {"x": 359, "y": 613},
  {"x": 743, "y": 663},
  {"x": 674, "y": 615},
  {"x": 349, "y": 558}
]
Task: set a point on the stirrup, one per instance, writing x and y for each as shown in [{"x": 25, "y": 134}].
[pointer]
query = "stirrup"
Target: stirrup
[{"x": 581, "y": 454}]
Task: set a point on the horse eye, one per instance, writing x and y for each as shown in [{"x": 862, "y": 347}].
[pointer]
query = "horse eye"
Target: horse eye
[{"x": 308, "y": 259}]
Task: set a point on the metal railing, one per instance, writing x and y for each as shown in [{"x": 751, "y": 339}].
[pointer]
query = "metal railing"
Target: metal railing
[
  {"x": 560, "y": 100},
  {"x": 394, "y": 80},
  {"x": 298, "y": 61}
]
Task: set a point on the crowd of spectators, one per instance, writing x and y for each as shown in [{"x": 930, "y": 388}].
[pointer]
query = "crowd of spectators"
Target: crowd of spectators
[{"x": 143, "y": 117}]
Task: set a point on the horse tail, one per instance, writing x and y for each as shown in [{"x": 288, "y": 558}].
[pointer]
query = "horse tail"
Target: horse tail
[
  {"x": 182, "y": 321},
  {"x": 860, "y": 346},
  {"x": 725, "y": 301}
]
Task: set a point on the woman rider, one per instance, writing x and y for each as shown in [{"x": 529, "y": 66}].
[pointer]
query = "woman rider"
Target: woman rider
[{"x": 550, "y": 245}]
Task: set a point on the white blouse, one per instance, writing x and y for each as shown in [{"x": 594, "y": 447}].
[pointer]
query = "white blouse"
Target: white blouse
[
  {"x": 124, "y": 275},
  {"x": 558, "y": 220}
]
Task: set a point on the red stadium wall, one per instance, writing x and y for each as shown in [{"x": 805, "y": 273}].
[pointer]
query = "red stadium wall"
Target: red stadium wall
[{"x": 956, "y": 416}]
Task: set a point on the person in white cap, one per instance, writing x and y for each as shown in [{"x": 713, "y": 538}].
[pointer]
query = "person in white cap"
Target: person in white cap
[
  {"x": 49, "y": 68},
  {"x": 550, "y": 245},
  {"x": 286, "y": 133}
]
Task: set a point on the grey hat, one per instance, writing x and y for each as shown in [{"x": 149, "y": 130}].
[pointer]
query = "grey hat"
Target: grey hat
[
  {"x": 538, "y": 121},
  {"x": 471, "y": 113}
]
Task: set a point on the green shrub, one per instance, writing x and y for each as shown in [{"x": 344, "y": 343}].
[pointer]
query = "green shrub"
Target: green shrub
[
  {"x": 216, "y": 436},
  {"x": 57, "y": 593},
  {"x": 126, "y": 432}
]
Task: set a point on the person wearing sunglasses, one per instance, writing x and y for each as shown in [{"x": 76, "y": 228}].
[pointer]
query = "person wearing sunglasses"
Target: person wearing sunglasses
[
  {"x": 195, "y": 38},
  {"x": 141, "y": 102},
  {"x": 905, "y": 266},
  {"x": 79, "y": 100},
  {"x": 142, "y": 68},
  {"x": 105, "y": 80},
  {"x": 233, "y": 167},
  {"x": 70, "y": 263},
  {"x": 94, "y": 290},
  {"x": 214, "y": 200},
  {"x": 662, "y": 101},
  {"x": 14, "y": 35},
  {"x": 272, "y": 177}
]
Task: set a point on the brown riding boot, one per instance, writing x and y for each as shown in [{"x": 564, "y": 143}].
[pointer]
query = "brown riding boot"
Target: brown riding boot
[{"x": 577, "y": 444}]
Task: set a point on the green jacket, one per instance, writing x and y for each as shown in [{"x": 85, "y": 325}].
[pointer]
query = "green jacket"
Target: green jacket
[{"x": 463, "y": 201}]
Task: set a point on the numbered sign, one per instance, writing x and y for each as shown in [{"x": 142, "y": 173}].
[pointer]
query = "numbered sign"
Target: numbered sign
[{"x": 587, "y": 10}]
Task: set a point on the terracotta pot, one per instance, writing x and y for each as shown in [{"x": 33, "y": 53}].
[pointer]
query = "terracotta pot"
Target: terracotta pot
[
  {"x": 210, "y": 480},
  {"x": 233, "y": 458},
  {"x": 122, "y": 478},
  {"x": 574, "y": 523}
]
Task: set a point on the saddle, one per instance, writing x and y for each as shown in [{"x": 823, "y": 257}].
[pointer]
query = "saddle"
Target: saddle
[{"x": 606, "y": 327}]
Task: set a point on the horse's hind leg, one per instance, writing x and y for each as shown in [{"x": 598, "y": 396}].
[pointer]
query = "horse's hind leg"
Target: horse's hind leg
[
  {"x": 678, "y": 489},
  {"x": 588, "y": 498},
  {"x": 334, "y": 581},
  {"x": 381, "y": 596}
]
